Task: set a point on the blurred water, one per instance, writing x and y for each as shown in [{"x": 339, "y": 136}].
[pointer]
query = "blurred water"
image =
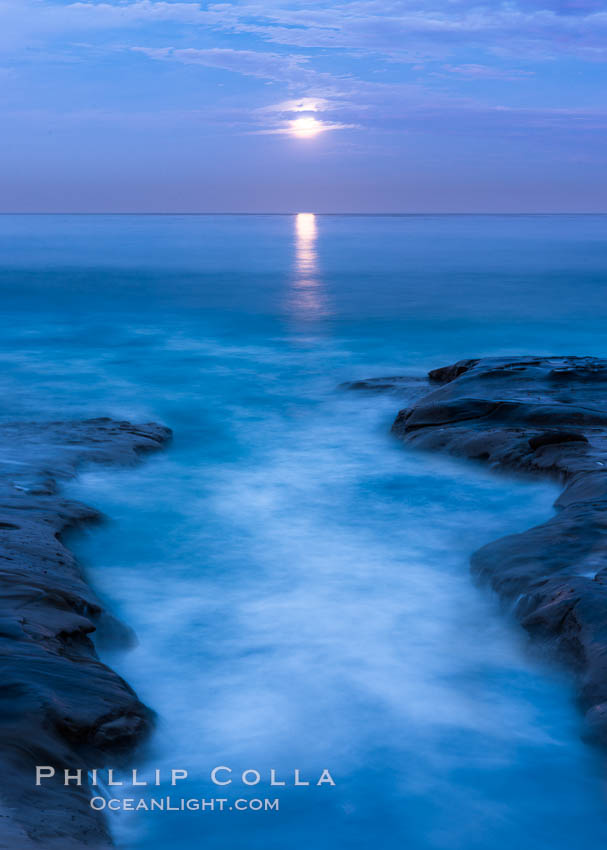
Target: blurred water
[{"x": 298, "y": 580}]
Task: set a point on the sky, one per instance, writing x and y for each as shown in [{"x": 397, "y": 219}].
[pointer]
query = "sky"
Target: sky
[{"x": 303, "y": 105}]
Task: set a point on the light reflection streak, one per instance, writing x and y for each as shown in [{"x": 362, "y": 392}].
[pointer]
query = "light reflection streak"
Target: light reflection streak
[{"x": 307, "y": 300}]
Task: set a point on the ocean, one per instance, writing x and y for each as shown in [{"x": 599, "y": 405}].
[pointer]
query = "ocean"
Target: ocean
[{"x": 297, "y": 579}]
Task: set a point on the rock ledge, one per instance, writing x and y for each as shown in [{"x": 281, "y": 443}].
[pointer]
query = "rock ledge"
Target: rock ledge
[{"x": 59, "y": 705}]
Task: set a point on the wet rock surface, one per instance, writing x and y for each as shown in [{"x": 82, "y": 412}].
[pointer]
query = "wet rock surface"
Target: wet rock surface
[
  {"x": 59, "y": 705},
  {"x": 543, "y": 416}
]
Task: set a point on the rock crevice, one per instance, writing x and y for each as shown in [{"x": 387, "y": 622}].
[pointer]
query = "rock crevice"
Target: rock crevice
[{"x": 546, "y": 416}]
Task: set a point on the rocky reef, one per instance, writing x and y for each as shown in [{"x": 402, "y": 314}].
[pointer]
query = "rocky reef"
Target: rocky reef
[
  {"x": 59, "y": 705},
  {"x": 542, "y": 416}
]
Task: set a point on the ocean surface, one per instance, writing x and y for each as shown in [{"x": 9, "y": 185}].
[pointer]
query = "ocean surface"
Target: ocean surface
[{"x": 297, "y": 579}]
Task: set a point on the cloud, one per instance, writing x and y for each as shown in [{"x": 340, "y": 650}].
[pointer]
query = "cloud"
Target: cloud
[
  {"x": 251, "y": 63},
  {"x": 90, "y": 15},
  {"x": 426, "y": 27},
  {"x": 409, "y": 29},
  {"x": 302, "y": 104},
  {"x": 297, "y": 128},
  {"x": 486, "y": 72}
]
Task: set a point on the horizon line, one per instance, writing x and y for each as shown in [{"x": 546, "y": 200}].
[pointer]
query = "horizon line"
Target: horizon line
[{"x": 298, "y": 212}]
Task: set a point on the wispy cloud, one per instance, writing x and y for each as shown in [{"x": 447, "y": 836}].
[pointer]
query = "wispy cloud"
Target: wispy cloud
[
  {"x": 486, "y": 72},
  {"x": 251, "y": 63},
  {"x": 420, "y": 27},
  {"x": 297, "y": 127},
  {"x": 302, "y": 104},
  {"x": 299, "y": 117},
  {"x": 407, "y": 28}
]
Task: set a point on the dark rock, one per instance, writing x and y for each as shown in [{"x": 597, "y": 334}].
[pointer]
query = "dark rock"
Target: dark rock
[
  {"x": 412, "y": 387},
  {"x": 552, "y": 437},
  {"x": 548, "y": 416},
  {"x": 448, "y": 373},
  {"x": 59, "y": 705}
]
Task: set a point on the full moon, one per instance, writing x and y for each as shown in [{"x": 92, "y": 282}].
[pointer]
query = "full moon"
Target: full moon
[{"x": 305, "y": 128}]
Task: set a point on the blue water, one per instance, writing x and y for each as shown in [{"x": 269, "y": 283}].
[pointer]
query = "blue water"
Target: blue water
[{"x": 298, "y": 580}]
